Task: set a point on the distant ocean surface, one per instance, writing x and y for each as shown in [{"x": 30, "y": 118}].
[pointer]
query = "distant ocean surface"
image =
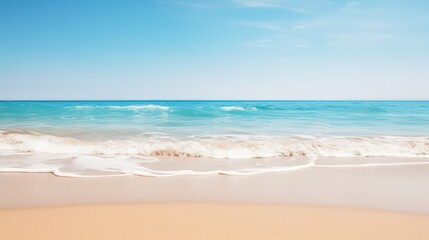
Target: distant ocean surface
[{"x": 164, "y": 138}]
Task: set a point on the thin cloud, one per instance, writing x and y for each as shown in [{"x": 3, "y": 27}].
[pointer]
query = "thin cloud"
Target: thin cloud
[
  {"x": 261, "y": 43},
  {"x": 302, "y": 46},
  {"x": 359, "y": 38},
  {"x": 271, "y": 26},
  {"x": 279, "y": 42},
  {"x": 350, "y": 6},
  {"x": 258, "y": 3}
]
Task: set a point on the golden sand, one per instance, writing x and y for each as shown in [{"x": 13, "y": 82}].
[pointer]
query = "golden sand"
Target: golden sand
[{"x": 209, "y": 221}]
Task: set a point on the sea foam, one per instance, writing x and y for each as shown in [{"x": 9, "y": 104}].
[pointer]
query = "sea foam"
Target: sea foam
[
  {"x": 128, "y": 107},
  {"x": 152, "y": 138},
  {"x": 229, "y": 148},
  {"x": 238, "y": 108}
]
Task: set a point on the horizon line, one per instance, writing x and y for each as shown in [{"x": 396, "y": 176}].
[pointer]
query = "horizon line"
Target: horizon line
[{"x": 148, "y": 100}]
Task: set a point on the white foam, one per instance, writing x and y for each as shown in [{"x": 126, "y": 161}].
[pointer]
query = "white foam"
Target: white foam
[
  {"x": 237, "y": 108},
  {"x": 99, "y": 165},
  {"x": 102, "y": 166},
  {"x": 128, "y": 107},
  {"x": 150, "y": 107},
  {"x": 233, "y": 108},
  {"x": 228, "y": 148}
]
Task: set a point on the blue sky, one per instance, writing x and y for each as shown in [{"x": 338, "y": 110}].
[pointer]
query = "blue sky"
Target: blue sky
[{"x": 225, "y": 49}]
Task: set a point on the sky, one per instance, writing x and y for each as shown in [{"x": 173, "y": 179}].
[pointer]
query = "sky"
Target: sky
[{"x": 223, "y": 49}]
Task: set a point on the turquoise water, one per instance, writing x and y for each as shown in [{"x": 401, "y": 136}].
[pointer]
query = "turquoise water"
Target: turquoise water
[
  {"x": 76, "y": 138},
  {"x": 200, "y": 118}
]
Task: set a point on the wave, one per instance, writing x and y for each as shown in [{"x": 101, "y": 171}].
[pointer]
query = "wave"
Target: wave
[
  {"x": 129, "y": 107},
  {"x": 76, "y": 165},
  {"x": 382, "y": 146},
  {"x": 237, "y": 108},
  {"x": 147, "y": 172}
]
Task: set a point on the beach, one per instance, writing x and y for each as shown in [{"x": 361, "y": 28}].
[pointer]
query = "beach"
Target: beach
[
  {"x": 214, "y": 170},
  {"x": 214, "y": 120},
  {"x": 383, "y": 202},
  {"x": 209, "y": 221}
]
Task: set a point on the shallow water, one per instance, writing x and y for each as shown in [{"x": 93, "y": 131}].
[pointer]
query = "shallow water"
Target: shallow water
[{"x": 77, "y": 138}]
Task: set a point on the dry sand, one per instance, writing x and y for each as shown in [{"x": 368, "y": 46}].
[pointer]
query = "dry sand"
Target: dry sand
[{"x": 209, "y": 221}]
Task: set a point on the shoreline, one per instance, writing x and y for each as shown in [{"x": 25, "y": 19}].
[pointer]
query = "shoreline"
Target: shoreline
[
  {"x": 391, "y": 188},
  {"x": 371, "y": 203},
  {"x": 167, "y": 167}
]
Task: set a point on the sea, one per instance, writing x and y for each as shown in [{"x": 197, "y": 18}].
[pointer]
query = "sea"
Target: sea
[{"x": 169, "y": 138}]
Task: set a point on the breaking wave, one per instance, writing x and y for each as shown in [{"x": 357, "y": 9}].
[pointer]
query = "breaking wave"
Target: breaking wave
[
  {"x": 237, "y": 108},
  {"x": 381, "y": 146},
  {"x": 129, "y": 107}
]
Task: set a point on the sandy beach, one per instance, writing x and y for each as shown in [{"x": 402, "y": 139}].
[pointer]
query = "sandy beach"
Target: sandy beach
[
  {"x": 204, "y": 120},
  {"x": 209, "y": 221},
  {"x": 391, "y": 188},
  {"x": 390, "y": 202}
]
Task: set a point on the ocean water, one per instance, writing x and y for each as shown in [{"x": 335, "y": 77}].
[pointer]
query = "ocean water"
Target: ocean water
[{"x": 164, "y": 138}]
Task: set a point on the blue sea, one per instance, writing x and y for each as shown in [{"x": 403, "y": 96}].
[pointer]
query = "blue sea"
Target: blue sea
[{"x": 164, "y": 138}]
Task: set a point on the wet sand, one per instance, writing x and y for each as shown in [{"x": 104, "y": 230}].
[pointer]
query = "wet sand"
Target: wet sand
[
  {"x": 395, "y": 188},
  {"x": 389, "y": 202}
]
